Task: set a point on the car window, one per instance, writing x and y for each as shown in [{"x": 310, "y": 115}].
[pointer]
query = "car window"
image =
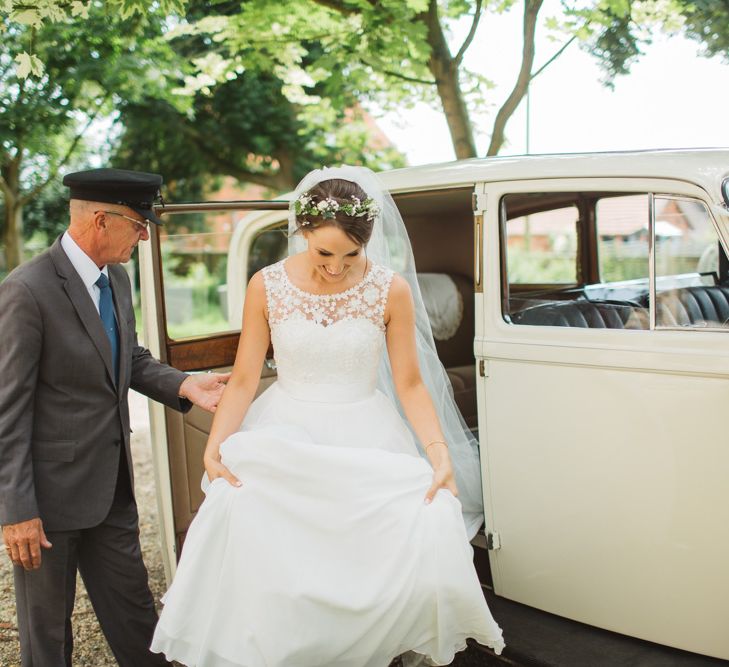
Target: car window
[
  {"x": 268, "y": 247},
  {"x": 194, "y": 249},
  {"x": 622, "y": 237},
  {"x": 541, "y": 247},
  {"x": 689, "y": 287},
  {"x": 576, "y": 259}
]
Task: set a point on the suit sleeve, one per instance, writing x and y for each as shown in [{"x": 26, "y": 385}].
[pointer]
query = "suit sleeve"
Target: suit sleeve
[
  {"x": 20, "y": 352},
  {"x": 156, "y": 380}
]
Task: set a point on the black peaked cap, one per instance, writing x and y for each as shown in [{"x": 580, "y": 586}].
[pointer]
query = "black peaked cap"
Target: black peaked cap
[{"x": 138, "y": 190}]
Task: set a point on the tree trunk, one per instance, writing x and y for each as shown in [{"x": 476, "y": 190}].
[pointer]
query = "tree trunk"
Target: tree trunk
[
  {"x": 13, "y": 236},
  {"x": 445, "y": 71},
  {"x": 13, "y": 214},
  {"x": 531, "y": 10}
]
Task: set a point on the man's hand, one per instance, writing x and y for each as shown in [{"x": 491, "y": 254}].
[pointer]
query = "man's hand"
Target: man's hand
[
  {"x": 204, "y": 389},
  {"x": 23, "y": 542}
]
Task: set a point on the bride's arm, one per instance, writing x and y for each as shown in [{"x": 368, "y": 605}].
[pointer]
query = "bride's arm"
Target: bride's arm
[
  {"x": 412, "y": 392},
  {"x": 242, "y": 385}
]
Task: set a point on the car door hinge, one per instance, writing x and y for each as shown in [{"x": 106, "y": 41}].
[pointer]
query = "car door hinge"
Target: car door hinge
[
  {"x": 483, "y": 368},
  {"x": 493, "y": 541},
  {"x": 478, "y": 201}
]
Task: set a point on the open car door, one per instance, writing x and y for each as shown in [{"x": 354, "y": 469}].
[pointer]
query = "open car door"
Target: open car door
[{"x": 193, "y": 275}]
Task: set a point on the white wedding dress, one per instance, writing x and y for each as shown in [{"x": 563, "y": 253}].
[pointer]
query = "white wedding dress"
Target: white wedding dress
[{"x": 327, "y": 555}]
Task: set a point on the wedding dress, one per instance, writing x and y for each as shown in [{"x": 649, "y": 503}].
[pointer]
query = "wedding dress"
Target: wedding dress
[{"x": 327, "y": 555}]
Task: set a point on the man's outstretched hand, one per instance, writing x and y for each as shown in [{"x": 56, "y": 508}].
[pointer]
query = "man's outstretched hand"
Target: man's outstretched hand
[{"x": 204, "y": 389}]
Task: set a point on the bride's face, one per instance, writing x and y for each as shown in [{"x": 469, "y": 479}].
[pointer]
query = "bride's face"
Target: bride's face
[{"x": 332, "y": 253}]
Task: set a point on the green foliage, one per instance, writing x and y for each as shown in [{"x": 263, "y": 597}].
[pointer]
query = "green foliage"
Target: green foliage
[
  {"x": 707, "y": 22},
  {"x": 617, "y": 31},
  {"x": 534, "y": 267},
  {"x": 46, "y": 216},
  {"x": 250, "y": 112},
  {"x": 90, "y": 62}
]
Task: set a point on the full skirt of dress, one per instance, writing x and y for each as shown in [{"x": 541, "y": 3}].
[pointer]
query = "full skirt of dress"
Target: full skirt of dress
[{"x": 327, "y": 555}]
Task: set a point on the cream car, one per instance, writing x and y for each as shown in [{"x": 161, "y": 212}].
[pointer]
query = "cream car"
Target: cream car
[{"x": 581, "y": 304}]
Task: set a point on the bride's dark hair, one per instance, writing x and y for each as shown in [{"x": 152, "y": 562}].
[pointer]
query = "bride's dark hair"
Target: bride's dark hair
[{"x": 358, "y": 228}]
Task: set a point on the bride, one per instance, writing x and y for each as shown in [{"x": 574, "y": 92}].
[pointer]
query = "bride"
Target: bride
[{"x": 331, "y": 534}]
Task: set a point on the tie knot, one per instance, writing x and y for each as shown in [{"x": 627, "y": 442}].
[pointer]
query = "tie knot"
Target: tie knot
[{"x": 102, "y": 281}]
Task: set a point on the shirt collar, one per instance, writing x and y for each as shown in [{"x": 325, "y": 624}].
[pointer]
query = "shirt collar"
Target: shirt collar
[{"x": 84, "y": 265}]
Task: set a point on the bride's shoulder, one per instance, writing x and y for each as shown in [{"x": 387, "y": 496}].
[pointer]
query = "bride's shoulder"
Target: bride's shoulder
[
  {"x": 397, "y": 287},
  {"x": 257, "y": 283}
]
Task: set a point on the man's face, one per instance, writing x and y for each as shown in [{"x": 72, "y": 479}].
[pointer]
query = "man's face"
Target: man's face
[{"x": 122, "y": 231}]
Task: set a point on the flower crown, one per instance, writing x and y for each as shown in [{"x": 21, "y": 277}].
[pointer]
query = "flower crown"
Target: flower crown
[{"x": 328, "y": 208}]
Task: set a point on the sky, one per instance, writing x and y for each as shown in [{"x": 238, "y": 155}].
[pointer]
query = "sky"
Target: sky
[{"x": 672, "y": 98}]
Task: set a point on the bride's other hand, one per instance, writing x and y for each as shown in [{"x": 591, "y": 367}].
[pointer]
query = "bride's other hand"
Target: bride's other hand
[
  {"x": 215, "y": 469},
  {"x": 442, "y": 479},
  {"x": 243, "y": 381}
]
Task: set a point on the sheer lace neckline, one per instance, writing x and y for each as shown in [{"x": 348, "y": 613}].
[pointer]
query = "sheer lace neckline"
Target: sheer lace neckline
[{"x": 332, "y": 295}]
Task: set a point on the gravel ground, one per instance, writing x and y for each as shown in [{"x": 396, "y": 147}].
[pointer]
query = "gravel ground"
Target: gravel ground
[{"x": 90, "y": 647}]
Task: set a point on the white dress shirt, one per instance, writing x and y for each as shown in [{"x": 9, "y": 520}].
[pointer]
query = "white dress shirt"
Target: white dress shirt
[{"x": 85, "y": 267}]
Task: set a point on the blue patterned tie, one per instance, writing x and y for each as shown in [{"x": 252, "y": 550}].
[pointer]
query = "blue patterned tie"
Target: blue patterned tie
[{"x": 106, "y": 310}]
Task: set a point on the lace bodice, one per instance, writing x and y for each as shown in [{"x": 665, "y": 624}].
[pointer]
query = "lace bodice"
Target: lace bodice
[{"x": 328, "y": 339}]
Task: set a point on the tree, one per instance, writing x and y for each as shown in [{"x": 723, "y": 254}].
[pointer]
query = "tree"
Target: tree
[
  {"x": 396, "y": 52},
  {"x": 245, "y": 128},
  {"x": 252, "y": 124},
  {"x": 393, "y": 52},
  {"x": 45, "y": 121}
]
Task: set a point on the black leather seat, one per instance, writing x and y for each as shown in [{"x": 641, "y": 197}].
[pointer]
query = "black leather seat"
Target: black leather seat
[
  {"x": 584, "y": 314},
  {"x": 706, "y": 305}
]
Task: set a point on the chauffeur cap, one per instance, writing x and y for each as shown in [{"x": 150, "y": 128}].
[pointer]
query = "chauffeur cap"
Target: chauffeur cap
[{"x": 135, "y": 189}]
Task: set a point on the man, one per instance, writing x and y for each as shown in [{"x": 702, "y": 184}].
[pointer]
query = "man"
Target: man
[{"x": 68, "y": 356}]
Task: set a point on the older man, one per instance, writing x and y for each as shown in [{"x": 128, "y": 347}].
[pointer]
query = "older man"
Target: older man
[{"x": 68, "y": 356}]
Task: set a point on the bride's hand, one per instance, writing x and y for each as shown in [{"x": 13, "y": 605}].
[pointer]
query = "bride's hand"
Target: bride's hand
[
  {"x": 214, "y": 468},
  {"x": 442, "y": 479}
]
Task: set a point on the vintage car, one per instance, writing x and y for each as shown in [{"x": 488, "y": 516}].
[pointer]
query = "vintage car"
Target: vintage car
[{"x": 581, "y": 307}]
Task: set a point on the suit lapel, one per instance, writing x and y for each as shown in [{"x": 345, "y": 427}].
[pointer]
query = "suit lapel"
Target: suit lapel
[{"x": 84, "y": 306}]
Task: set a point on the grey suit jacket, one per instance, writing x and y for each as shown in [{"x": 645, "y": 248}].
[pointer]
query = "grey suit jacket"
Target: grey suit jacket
[{"x": 62, "y": 416}]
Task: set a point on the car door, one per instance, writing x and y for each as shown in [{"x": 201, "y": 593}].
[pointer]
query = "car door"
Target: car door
[
  {"x": 193, "y": 275},
  {"x": 602, "y": 420}
]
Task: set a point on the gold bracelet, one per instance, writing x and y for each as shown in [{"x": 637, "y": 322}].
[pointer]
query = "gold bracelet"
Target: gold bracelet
[{"x": 436, "y": 442}]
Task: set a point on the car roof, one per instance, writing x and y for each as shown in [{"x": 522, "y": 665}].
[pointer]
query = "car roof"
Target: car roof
[{"x": 706, "y": 167}]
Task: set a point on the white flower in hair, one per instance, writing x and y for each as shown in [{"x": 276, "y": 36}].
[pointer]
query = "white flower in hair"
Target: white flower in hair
[{"x": 328, "y": 208}]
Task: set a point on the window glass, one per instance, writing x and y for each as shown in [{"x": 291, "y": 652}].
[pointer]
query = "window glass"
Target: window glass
[
  {"x": 268, "y": 247},
  {"x": 547, "y": 280},
  {"x": 541, "y": 247},
  {"x": 687, "y": 252},
  {"x": 622, "y": 237},
  {"x": 194, "y": 250}
]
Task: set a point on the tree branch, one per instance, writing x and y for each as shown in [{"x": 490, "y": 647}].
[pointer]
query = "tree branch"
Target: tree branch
[
  {"x": 229, "y": 168},
  {"x": 531, "y": 10},
  {"x": 471, "y": 34},
  {"x": 553, "y": 58},
  {"x": 399, "y": 75},
  {"x": 340, "y": 7},
  {"x": 7, "y": 193}
]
